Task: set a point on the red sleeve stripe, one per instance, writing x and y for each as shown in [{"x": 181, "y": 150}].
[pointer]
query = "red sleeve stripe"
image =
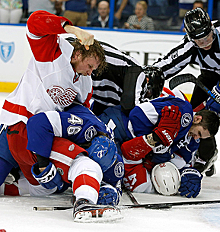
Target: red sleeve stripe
[
  {"x": 16, "y": 109},
  {"x": 85, "y": 180}
]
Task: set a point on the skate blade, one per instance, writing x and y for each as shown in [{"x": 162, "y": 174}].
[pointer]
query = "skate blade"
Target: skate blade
[{"x": 98, "y": 215}]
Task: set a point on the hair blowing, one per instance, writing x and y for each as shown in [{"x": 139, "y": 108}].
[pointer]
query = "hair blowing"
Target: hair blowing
[
  {"x": 210, "y": 121},
  {"x": 95, "y": 50}
]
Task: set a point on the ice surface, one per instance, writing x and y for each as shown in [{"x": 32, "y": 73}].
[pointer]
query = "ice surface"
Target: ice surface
[{"x": 17, "y": 214}]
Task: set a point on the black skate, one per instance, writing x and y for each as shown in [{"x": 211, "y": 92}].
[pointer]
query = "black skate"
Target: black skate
[{"x": 83, "y": 211}]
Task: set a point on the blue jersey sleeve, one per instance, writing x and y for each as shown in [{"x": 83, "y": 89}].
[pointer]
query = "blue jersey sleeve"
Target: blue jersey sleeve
[{"x": 40, "y": 135}]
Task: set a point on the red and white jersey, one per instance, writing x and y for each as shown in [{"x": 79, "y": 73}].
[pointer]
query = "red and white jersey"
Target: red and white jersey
[{"x": 50, "y": 82}]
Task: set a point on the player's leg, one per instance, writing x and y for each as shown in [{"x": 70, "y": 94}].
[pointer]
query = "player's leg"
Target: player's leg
[
  {"x": 209, "y": 79},
  {"x": 85, "y": 175},
  {"x": 17, "y": 141},
  {"x": 137, "y": 179}
]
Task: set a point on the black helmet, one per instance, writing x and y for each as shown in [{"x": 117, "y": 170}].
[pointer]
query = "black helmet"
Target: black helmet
[{"x": 197, "y": 23}]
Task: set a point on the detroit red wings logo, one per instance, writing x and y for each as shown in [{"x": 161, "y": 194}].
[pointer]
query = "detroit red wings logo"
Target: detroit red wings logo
[{"x": 61, "y": 96}]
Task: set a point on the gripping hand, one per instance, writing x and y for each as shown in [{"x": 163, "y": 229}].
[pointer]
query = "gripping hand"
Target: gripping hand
[
  {"x": 108, "y": 195},
  {"x": 49, "y": 178},
  {"x": 190, "y": 182},
  {"x": 169, "y": 125}
]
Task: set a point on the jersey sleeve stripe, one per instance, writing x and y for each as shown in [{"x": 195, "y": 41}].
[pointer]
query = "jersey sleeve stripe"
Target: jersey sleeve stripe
[{"x": 17, "y": 109}]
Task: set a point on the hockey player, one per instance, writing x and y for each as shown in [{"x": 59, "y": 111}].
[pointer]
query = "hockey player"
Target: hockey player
[
  {"x": 58, "y": 72},
  {"x": 158, "y": 131},
  {"x": 58, "y": 157},
  {"x": 200, "y": 46}
]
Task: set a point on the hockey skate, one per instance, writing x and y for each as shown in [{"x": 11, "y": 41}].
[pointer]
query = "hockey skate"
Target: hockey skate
[{"x": 85, "y": 212}]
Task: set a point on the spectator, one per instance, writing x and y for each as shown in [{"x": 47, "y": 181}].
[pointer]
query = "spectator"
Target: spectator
[
  {"x": 91, "y": 10},
  {"x": 47, "y": 5},
  {"x": 125, "y": 8},
  {"x": 102, "y": 19},
  {"x": 76, "y": 12},
  {"x": 10, "y": 11},
  {"x": 140, "y": 20},
  {"x": 196, "y": 4},
  {"x": 59, "y": 8},
  {"x": 186, "y": 5}
]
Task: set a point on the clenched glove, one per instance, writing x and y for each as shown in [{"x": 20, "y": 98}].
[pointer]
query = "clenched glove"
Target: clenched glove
[
  {"x": 49, "y": 178},
  {"x": 108, "y": 195},
  {"x": 169, "y": 125},
  {"x": 190, "y": 182}
]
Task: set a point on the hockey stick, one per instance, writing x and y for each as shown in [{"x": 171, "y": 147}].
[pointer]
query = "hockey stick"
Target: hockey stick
[
  {"x": 146, "y": 206},
  {"x": 183, "y": 78},
  {"x": 130, "y": 195}
]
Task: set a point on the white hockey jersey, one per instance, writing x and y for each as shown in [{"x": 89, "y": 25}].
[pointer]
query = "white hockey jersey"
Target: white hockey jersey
[{"x": 50, "y": 82}]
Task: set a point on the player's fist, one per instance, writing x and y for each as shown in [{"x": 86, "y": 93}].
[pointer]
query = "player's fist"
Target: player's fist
[{"x": 169, "y": 125}]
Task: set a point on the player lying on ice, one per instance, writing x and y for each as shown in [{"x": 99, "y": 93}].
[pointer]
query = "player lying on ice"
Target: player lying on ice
[
  {"x": 160, "y": 130},
  {"x": 95, "y": 172}
]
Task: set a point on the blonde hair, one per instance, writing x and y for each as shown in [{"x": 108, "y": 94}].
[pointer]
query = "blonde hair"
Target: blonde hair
[{"x": 143, "y": 4}]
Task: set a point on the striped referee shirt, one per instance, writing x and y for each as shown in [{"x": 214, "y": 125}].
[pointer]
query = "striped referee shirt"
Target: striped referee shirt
[
  {"x": 187, "y": 52},
  {"x": 123, "y": 82}
]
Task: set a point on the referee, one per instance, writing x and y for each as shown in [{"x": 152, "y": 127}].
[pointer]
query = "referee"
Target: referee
[{"x": 200, "y": 46}]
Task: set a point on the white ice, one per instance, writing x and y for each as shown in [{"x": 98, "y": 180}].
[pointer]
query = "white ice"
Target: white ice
[{"x": 17, "y": 215}]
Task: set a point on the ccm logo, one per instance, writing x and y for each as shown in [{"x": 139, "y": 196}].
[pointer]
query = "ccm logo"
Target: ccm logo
[{"x": 167, "y": 136}]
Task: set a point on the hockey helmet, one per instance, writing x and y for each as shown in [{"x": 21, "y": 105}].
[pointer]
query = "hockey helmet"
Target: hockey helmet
[
  {"x": 166, "y": 178},
  {"x": 103, "y": 151},
  {"x": 197, "y": 24},
  {"x": 155, "y": 81}
]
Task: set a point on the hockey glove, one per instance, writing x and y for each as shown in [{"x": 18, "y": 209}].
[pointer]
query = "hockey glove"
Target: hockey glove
[
  {"x": 49, "y": 178},
  {"x": 211, "y": 104},
  {"x": 190, "y": 182},
  {"x": 155, "y": 79},
  {"x": 169, "y": 125},
  {"x": 136, "y": 148},
  {"x": 108, "y": 195}
]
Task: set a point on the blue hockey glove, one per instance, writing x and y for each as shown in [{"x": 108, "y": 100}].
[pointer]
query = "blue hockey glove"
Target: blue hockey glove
[
  {"x": 108, "y": 195},
  {"x": 49, "y": 178},
  {"x": 190, "y": 182},
  {"x": 211, "y": 104}
]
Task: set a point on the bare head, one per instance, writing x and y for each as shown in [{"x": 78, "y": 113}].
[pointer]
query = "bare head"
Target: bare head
[
  {"x": 86, "y": 61},
  {"x": 141, "y": 9},
  {"x": 103, "y": 9},
  {"x": 205, "y": 124}
]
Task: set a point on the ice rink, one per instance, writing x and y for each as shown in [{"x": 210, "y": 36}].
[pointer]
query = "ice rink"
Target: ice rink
[{"x": 17, "y": 214}]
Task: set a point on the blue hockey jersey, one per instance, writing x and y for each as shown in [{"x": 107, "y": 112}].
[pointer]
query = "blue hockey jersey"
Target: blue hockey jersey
[
  {"x": 144, "y": 117},
  {"x": 79, "y": 125}
]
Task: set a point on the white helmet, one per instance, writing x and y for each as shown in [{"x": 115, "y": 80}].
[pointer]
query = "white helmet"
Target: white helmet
[{"x": 166, "y": 178}]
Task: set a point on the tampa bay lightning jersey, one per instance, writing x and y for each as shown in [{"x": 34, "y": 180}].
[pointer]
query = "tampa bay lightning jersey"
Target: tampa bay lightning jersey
[
  {"x": 78, "y": 124},
  {"x": 144, "y": 117}
]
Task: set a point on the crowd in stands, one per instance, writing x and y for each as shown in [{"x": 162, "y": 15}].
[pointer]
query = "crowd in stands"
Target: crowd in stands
[{"x": 128, "y": 14}]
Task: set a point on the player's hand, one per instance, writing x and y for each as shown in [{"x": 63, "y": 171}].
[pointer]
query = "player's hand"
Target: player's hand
[
  {"x": 84, "y": 37},
  {"x": 49, "y": 178},
  {"x": 169, "y": 125},
  {"x": 108, "y": 195},
  {"x": 190, "y": 182}
]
